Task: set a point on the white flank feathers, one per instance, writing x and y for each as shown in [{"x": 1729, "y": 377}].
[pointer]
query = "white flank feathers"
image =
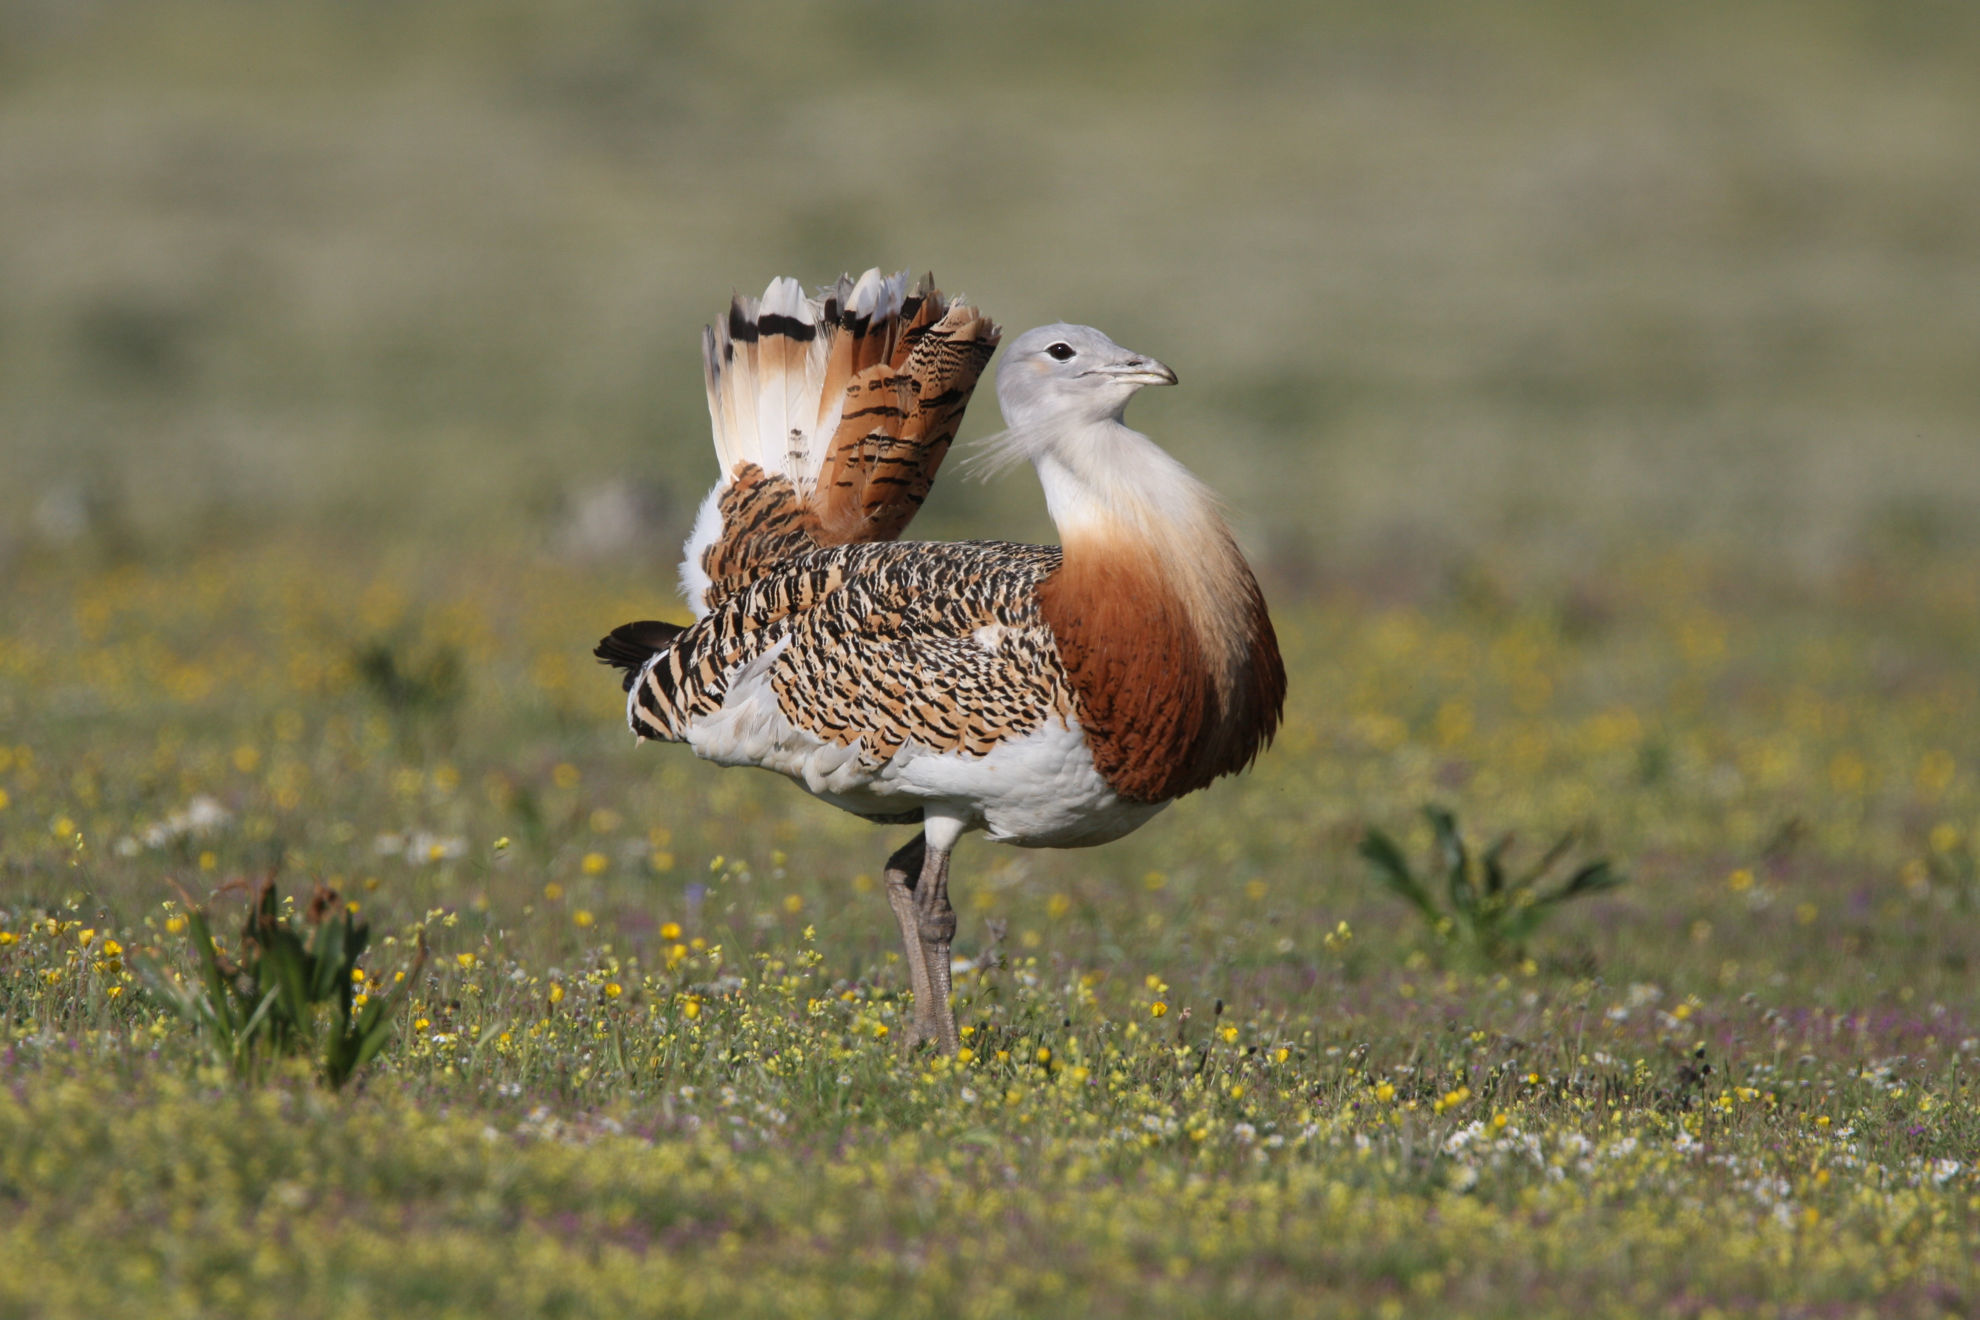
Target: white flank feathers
[{"x": 695, "y": 581}]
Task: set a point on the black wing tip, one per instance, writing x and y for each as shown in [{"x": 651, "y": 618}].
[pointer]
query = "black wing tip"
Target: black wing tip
[{"x": 630, "y": 645}]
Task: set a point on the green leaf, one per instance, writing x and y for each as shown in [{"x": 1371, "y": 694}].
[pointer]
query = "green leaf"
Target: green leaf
[
  {"x": 246, "y": 1040},
  {"x": 372, "y": 1041},
  {"x": 1495, "y": 872},
  {"x": 286, "y": 962},
  {"x": 1456, "y": 862},
  {"x": 1547, "y": 862},
  {"x": 1392, "y": 870},
  {"x": 326, "y": 959},
  {"x": 1590, "y": 879}
]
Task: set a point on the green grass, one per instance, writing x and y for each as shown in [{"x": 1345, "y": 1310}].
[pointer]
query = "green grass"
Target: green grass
[{"x": 1213, "y": 1069}]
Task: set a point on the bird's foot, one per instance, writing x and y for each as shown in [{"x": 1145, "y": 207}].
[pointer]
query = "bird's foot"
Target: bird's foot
[{"x": 925, "y": 1029}]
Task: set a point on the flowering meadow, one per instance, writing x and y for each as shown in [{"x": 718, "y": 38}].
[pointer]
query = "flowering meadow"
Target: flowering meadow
[
  {"x": 651, "y": 1062},
  {"x": 1593, "y": 388}
]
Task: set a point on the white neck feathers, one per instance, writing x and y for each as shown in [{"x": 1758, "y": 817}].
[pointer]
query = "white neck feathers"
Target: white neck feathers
[
  {"x": 1107, "y": 479},
  {"x": 1112, "y": 492}
]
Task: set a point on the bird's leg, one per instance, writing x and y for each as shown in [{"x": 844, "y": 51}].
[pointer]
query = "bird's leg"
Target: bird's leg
[
  {"x": 903, "y": 873},
  {"x": 936, "y": 922}
]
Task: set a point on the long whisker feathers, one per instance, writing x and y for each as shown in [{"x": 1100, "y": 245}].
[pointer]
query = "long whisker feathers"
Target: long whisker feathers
[{"x": 995, "y": 454}]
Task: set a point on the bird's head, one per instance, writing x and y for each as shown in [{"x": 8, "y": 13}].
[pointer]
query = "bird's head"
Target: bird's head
[{"x": 1071, "y": 374}]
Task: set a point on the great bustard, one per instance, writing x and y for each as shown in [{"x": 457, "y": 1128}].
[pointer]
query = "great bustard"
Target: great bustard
[{"x": 1050, "y": 697}]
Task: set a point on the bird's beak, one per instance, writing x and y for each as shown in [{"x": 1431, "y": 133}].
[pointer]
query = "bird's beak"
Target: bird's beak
[{"x": 1137, "y": 370}]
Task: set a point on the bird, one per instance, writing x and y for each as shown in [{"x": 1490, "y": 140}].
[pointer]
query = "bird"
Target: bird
[{"x": 1046, "y": 696}]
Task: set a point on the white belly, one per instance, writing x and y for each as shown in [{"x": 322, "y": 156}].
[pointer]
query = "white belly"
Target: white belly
[{"x": 1038, "y": 791}]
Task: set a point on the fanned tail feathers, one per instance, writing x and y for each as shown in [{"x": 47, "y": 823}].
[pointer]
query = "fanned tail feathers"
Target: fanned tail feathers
[{"x": 831, "y": 416}]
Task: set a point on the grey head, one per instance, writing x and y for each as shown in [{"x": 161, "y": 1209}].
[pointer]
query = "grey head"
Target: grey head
[{"x": 1063, "y": 375}]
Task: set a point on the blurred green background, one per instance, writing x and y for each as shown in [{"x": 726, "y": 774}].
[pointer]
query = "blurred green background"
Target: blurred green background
[{"x": 1541, "y": 283}]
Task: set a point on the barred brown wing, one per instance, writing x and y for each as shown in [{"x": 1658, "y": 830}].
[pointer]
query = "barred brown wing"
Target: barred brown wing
[{"x": 939, "y": 645}]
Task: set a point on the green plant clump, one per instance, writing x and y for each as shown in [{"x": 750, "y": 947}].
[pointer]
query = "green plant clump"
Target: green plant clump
[
  {"x": 1490, "y": 913},
  {"x": 271, "y": 998}
]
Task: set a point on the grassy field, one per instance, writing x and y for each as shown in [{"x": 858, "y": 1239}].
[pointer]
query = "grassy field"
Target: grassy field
[
  {"x": 1594, "y": 389},
  {"x": 652, "y": 1063}
]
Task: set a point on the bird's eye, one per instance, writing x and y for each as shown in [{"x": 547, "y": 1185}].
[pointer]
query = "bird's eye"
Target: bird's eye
[{"x": 1061, "y": 351}]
